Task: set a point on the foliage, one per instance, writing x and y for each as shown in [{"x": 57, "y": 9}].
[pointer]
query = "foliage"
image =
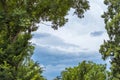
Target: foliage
[
  {"x": 26, "y": 71},
  {"x": 111, "y": 47},
  {"x": 85, "y": 71},
  {"x": 18, "y": 19}
]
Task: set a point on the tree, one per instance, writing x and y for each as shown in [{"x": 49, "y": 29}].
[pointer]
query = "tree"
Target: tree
[
  {"x": 111, "y": 47},
  {"x": 18, "y": 20},
  {"x": 85, "y": 71},
  {"x": 26, "y": 71}
]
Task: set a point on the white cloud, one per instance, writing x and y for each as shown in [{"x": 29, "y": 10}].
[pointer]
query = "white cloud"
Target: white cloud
[{"x": 77, "y": 31}]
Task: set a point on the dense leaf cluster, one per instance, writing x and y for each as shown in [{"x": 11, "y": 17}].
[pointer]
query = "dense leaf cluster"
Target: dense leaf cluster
[
  {"x": 85, "y": 71},
  {"x": 111, "y": 47}
]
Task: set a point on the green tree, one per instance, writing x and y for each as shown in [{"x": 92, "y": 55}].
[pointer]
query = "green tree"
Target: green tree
[
  {"x": 85, "y": 71},
  {"x": 18, "y": 19},
  {"x": 111, "y": 47}
]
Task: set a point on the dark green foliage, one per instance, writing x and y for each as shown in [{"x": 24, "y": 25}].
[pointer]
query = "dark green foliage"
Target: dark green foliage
[
  {"x": 18, "y": 19},
  {"x": 26, "y": 71},
  {"x": 85, "y": 71},
  {"x": 111, "y": 47}
]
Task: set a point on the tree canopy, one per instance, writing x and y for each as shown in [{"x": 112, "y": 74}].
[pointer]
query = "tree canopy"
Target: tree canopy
[
  {"x": 85, "y": 71},
  {"x": 111, "y": 47}
]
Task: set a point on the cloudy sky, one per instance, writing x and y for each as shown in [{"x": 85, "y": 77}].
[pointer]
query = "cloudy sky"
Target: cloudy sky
[{"x": 78, "y": 40}]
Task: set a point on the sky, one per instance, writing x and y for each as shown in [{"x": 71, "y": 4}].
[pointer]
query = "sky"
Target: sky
[{"x": 77, "y": 40}]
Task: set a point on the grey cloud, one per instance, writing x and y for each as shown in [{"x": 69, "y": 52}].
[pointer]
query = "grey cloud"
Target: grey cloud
[
  {"x": 51, "y": 40},
  {"x": 96, "y": 33}
]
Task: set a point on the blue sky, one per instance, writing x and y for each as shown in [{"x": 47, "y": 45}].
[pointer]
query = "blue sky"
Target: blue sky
[{"x": 77, "y": 40}]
